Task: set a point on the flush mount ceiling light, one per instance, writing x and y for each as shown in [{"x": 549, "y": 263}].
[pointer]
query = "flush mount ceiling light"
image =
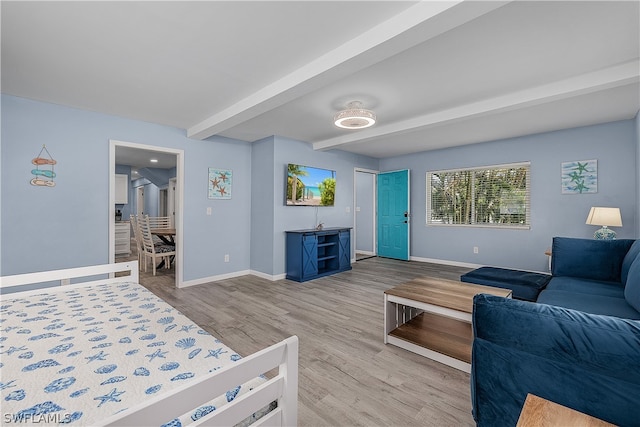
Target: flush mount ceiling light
[{"x": 354, "y": 117}]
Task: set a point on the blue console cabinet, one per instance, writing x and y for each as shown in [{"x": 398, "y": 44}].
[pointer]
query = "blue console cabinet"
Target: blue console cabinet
[{"x": 316, "y": 253}]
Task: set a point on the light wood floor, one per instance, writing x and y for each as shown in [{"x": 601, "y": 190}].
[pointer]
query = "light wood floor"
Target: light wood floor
[{"x": 348, "y": 376}]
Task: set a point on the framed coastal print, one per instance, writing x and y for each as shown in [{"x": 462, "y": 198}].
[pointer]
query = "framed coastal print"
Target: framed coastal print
[
  {"x": 220, "y": 183},
  {"x": 580, "y": 177}
]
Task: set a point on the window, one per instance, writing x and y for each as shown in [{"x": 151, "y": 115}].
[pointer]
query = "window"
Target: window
[{"x": 496, "y": 196}]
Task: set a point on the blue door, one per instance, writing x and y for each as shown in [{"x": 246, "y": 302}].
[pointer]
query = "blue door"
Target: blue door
[{"x": 393, "y": 214}]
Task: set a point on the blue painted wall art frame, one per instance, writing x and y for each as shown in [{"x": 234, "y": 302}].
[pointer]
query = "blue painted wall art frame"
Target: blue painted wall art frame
[{"x": 580, "y": 177}]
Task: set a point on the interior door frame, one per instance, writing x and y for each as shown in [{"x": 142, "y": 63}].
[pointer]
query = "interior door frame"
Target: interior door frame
[
  {"x": 171, "y": 200},
  {"x": 375, "y": 212},
  {"x": 163, "y": 209},
  {"x": 139, "y": 200},
  {"x": 179, "y": 200}
]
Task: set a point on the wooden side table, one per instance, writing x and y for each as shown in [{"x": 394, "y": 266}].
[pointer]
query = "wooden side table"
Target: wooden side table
[{"x": 539, "y": 412}]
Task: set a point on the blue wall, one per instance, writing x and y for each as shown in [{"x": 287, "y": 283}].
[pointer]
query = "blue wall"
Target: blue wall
[
  {"x": 552, "y": 213},
  {"x": 302, "y": 217},
  {"x": 67, "y": 225},
  {"x": 151, "y": 190},
  {"x": 262, "y": 206},
  {"x": 274, "y": 154}
]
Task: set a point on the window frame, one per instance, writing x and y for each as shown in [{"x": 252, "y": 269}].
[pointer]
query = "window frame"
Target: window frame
[{"x": 527, "y": 226}]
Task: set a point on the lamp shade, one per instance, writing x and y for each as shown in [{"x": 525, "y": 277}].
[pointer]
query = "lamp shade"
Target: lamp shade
[{"x": 604, "y": 216}]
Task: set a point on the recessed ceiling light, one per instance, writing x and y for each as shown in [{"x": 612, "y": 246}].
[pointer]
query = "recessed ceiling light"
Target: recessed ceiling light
[
  {"x": 154, "y": 160},
  {"x": 354, "y": 117}
]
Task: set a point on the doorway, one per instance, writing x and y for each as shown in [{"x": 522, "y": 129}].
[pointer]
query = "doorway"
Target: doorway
[
  {"x": 171, "y": 201},
  {"x": 140, "y": 200},
  {"x": 167, "y": 202},
  {"x": 162, "y": 203},
  {"x": 364, "y": 213},
  {"x": 121, "y": 152}
]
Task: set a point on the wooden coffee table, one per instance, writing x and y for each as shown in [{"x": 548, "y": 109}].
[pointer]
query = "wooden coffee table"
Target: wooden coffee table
[{"x": 432, "y": 317}]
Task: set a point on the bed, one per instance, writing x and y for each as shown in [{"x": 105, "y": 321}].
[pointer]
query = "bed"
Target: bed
[{"x": 100, "y": 349}]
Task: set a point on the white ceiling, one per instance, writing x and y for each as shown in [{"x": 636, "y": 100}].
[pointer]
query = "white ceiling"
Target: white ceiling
[
  {"x": 143, "y": 158},
  {"x": 437, "y": 74}
]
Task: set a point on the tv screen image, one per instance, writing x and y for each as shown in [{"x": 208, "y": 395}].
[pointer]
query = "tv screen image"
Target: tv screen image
[{"x": 311, "y": 186}]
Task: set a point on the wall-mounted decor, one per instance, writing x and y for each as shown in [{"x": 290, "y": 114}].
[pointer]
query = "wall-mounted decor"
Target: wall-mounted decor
[
  {"x": 308, "y": 186},
  {"x": 220, "y": 181},
  {"x": 580, "y": 177},
  {"x": 43, "y": 172}
]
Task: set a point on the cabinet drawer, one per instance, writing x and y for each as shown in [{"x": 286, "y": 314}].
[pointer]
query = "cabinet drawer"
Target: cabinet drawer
[{"x": 122, "y": 237}]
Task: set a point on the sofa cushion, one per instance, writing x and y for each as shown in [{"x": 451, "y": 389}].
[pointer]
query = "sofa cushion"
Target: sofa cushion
[
  {"x": 586, "y": 286},
  {"x": 589, "y": 258},
  {"x": 629, "y": 258},
  {"x": 589, "y": 303},
  {"x": 525, "y": 285},
  {"x": 585, "y": 362},
  {"x": 632, "y": 289}
]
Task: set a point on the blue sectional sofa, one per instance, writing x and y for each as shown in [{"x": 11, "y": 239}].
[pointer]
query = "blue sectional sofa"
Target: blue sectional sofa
[{"x": 578, "y": 345}]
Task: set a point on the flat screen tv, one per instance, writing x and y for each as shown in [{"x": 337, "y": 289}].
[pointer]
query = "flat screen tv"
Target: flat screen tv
[{"x": 308, "y": 186}]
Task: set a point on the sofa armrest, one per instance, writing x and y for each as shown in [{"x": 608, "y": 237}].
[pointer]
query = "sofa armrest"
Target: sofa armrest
[
  {"x": 589, "y": 258},
  {"x": 590, "y": 363}
]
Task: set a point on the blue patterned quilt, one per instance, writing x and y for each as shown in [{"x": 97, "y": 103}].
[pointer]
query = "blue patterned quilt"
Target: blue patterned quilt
[{"x": 80, "y": 355}]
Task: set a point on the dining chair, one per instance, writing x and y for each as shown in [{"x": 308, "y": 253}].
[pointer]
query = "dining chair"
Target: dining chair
[
  {"x": 153, "y": 250},
  {"x": 159, "y": 222}
]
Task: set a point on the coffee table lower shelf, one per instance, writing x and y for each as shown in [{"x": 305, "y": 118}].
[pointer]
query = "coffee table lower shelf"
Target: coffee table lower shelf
[
  {"x": 432, "y": 317},
  {"x": 440, "y": 338}
]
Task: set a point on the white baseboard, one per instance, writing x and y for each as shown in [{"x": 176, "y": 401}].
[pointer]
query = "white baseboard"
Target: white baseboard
[
  {"x": 219, "y": 277},
  {"x": 214, "y": 278},
  {"x": 469, "y": 265},
  {"x": 366, "y": 253},
  {"x": 272, "y": 277},
  {"x": 446, "y": 262}
]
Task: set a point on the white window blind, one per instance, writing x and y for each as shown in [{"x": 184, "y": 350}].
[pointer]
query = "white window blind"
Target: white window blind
[{"x": 496, "y": 196}]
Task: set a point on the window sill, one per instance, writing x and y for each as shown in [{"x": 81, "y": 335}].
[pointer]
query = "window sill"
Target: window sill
[{"x": 496, "y": 226}]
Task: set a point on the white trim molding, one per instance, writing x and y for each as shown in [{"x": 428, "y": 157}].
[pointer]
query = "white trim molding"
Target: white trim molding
[{"x": 446, "y": 262}]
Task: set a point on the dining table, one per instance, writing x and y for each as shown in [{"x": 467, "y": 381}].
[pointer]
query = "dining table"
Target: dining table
[{"x": 167, "y": 235}]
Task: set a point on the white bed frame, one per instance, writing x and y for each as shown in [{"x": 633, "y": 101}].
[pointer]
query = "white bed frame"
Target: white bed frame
[{"x": 282, "y": 388}]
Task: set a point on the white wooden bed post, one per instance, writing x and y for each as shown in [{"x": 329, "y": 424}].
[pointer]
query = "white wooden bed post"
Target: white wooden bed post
[{"x": 289, "y": 368}]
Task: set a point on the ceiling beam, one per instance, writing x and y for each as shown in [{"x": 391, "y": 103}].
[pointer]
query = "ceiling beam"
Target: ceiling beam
[
  {"x": 413, "y": 26},
  {"x": 616, "y": 76}
]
